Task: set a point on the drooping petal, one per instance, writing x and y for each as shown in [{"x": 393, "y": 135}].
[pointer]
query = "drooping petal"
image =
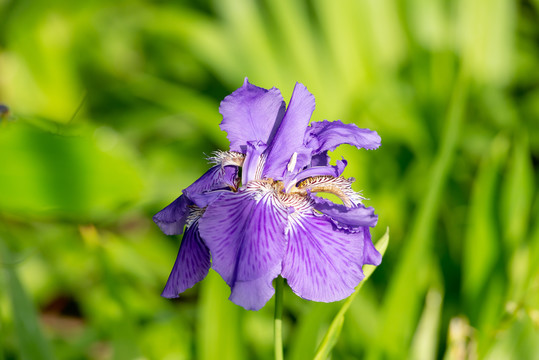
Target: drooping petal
[
  {"x": 245, "y": 234},
  {"x": 327, "y": 135},
  {"x": 254, "y": 161},
  {"x": 254, "y": 294},
  {"x": 371, "y": 255},
  {"x": 204, "y": 199},
  {"x": 217, "y": 177},
  {"x": 191, "y": 266},
  {"x": 172, "y": 218},
  {"x": 289, "y": 137},
  {"x": 251, "y": 113},
  {"x": 350, "y": 217},
  {"x": 322, "y": 263}
]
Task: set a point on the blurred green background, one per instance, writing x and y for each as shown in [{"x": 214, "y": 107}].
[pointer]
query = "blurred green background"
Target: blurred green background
[{"x": 114, "y": 104}]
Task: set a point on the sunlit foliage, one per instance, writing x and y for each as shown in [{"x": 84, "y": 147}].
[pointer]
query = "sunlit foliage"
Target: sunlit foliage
[{"x": 113, "y": 104}]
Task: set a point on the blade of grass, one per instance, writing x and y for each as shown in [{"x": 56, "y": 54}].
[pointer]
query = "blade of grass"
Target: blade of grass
[
  {"x": 307, "y": 331},
  {"x": 481, "y": 246},
  {"x": 332, "y": 335},
  {"x": 403, "y": 296},
  {"x": 2, "y": 331},
  {"x": 32, "y": 344},
  {"x": 517, "y": 192}
]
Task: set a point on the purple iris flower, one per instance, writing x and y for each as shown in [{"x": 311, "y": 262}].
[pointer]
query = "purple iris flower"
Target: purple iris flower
[{"x": 268, "y": 220}]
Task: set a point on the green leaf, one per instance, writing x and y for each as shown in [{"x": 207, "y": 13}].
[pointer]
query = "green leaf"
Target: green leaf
[
  {"x": 481, "y": 246},
  {"x": 517, "y": 192},
  {"x": 332, "y": 335},
  {"x": 65, "y": 175}
]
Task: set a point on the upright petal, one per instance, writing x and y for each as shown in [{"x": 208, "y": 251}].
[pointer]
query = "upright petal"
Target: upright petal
[
  {"x": 171, "y": 220},
  {"x": 245, "y": 234},
  {"x": 191, "y": 266},
  {"x": 289, "y": 137},
  {"x": 327, "y": 135},
  {"x": 254, "y": 161},
  {"x": 322, "y": 263},
  {"x": 251, "y": 113}
]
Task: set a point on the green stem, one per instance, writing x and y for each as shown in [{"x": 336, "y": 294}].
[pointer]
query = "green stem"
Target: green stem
[{"x": 278, "y": 318}]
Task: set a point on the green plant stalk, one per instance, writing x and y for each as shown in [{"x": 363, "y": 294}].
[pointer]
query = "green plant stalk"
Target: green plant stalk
[{"x": 278, "y": 318}]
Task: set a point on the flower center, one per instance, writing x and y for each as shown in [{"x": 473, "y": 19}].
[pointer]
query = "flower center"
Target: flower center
[{"x": 338, "y": 186}]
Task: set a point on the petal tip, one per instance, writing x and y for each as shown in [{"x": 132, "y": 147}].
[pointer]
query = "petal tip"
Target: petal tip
[{"x": 167, "y": 294}]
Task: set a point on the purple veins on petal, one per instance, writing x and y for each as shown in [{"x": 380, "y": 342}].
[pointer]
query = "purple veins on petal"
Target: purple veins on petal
[
  {"x": 274, "y": 223},
  {"x": 245, "y": 234},
  {"x": 327, "y": 135},
  {"x": 191, "y": 266},
  {"x": 254, "y": 294},
  {"x": 171, "y": 220},
  {"x": 322, "y": 263},
  {"x": 251, "y": 113}
]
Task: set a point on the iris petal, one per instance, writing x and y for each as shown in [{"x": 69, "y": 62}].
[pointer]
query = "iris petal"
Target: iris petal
[
  {"x": 254, "y": 294},
  {"x": 171, "y": 220},
  {"x": 351, "y": 217},
  {"x": 321, "y": 159},
  {"x": 289, "y": 137},
  {"x": 217, "y": 177},
  {"x": 327, "y": 135},
  {"x": 371, "y": 255},
  {"x": 322, "y": 263},
  {"x": 328, "y": 170},
  {"x": 245, "y": 234},
  {"x": 252, "y": 166},
  {"x": 355, "y": 219},
  {"x": 191, "y": 266},
  {"x": 251, "y": 113}
]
